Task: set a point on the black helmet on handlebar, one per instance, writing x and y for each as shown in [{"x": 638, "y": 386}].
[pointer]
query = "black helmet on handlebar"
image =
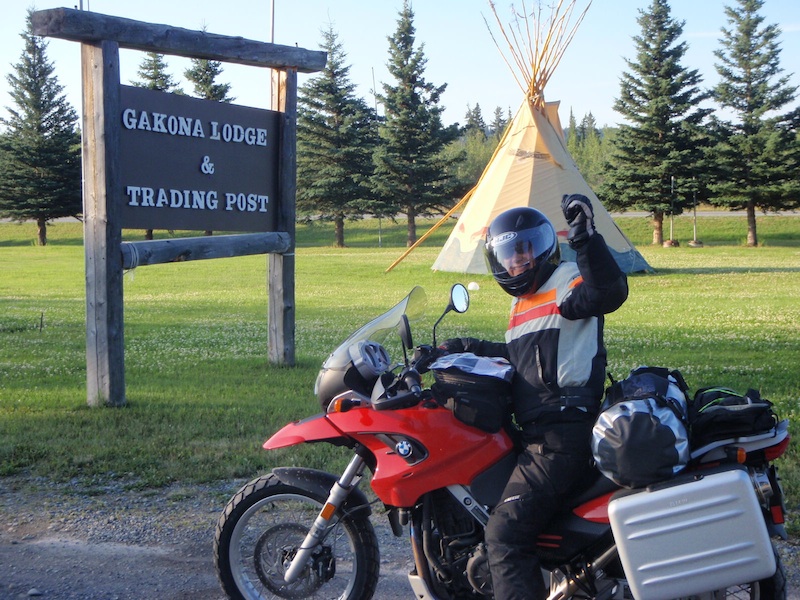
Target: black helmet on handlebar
[{"x": 520, "y": 244}]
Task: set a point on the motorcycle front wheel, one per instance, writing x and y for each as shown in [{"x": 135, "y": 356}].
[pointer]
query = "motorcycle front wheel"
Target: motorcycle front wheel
[{"x": 260, "y": 531}]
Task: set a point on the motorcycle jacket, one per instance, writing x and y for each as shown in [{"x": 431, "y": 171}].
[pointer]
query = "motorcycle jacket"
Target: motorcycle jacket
[{"x": 555, "y": 335}]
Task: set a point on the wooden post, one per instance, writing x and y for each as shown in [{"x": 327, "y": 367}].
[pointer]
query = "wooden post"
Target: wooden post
[
  {"x": 105, "y": 253},
  {"x": 281, "y": 315},
  {"x": 157, "y": 252},
  {"x": 105, "y": 362}
]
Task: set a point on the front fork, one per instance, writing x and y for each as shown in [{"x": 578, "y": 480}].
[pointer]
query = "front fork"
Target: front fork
[{"x": 348, "y": 481}]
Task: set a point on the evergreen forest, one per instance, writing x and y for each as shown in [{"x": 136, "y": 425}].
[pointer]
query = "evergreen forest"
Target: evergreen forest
[{"x": 396, "y": 158}]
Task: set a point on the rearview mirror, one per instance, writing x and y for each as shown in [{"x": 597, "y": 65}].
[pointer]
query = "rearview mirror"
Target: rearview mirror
[
  {"x": 459, "y": 298},
  {"x": 404, "y": 329},
  {"x": 459, "y": 302}
]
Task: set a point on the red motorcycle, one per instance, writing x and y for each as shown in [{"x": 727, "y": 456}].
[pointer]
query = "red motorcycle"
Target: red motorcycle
[{"x": 304, "y": 533}]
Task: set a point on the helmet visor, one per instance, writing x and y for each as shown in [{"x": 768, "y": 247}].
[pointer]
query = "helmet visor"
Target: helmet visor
[{"x": 516, "y": 252}]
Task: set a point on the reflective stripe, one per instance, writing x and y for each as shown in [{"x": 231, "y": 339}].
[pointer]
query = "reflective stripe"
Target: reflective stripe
[
  {"x": 540, "y": 311},
  {"x": 534, "y": 300},
  {"x": 534, "y": 312}
]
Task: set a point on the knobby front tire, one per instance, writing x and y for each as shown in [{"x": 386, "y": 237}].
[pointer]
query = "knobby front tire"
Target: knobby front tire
[{"x": 260, "y": 530}]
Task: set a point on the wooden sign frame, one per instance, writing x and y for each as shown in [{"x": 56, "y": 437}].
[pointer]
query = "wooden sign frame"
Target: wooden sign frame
[{"x": 101, "y": 37}]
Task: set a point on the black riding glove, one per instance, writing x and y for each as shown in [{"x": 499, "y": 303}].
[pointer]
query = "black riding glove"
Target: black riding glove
[
  {"x": 577, "y": 210},
  {"x": 452, "y": 346}
]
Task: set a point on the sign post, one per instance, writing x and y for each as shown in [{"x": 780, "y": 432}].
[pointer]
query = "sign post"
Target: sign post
[
  {"x": 282, "y": 266},
  {"x": 102, "y": 232},
  {"x": 154, "y": 160}
]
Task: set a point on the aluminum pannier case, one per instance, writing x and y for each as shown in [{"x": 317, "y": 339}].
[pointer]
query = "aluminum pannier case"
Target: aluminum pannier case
[{"x": 691, "y": 535}]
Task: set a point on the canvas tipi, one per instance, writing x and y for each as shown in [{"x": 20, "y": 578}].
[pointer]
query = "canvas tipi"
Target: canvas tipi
[{"x": 531, "y": 165}]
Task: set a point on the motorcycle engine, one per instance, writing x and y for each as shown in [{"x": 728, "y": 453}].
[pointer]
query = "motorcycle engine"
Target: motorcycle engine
[
  {"x": 478, "y": 571},
  {"x": 460, "y": 544}
]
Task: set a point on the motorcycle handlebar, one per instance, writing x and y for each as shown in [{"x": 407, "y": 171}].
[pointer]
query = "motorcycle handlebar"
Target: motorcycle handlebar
[
  {"x": 424, "y": 356},
  {"x": 403, "y": 400},
  {"x": 412, "y": 382}
]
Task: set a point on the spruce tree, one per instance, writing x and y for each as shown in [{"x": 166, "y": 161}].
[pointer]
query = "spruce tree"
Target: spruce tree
[
  {"x": 412, "y": 173},
  {"x": 573, "y": 137},
  {"x": 203, "y": 76},
  {"x": 587, "y": 148},
  {"x": 40, "y": 154},
  {"x": 592, "y": 156},
  {"x": 336, "y": 136},
  {"x": 475, "y": 123},
  {"x": 499, "y": 124},
  {"x": 656, "y": 153},
  {"x": 153, "y": 74},
  {"x": 757, "y": 157}
]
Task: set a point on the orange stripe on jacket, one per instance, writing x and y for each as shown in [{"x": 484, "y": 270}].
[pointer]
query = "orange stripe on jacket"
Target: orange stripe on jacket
[
  {"x": 538, "y": 305},
  {"x": 533, "y": 307}
]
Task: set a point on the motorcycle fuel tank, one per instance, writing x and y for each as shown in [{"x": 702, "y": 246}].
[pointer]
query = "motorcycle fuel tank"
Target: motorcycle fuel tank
[
  {"x": 691, "y": 535},
  {"x": 444, "y": 451}
]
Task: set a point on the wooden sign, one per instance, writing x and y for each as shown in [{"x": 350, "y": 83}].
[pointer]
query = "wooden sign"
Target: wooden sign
[
  {"x": 196, "y": 164},
  {"x": 154, "y": 160}
]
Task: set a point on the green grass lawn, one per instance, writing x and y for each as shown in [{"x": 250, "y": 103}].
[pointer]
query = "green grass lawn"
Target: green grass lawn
[{"x": 202, "y": 397}]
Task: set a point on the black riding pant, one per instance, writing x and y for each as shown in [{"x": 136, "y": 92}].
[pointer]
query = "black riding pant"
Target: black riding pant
[{"x": 556, "y": 464}]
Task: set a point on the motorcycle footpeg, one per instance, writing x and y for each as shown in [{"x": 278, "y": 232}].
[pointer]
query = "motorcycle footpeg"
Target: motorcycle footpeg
[{"x": 605, "y": 589}]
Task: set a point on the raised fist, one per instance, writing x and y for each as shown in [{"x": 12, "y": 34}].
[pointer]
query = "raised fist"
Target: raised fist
[{"x": 577, "y": 210}]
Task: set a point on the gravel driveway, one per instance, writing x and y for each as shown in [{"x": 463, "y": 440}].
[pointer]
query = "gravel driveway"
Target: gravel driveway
[{"x": 109, "y": 543}]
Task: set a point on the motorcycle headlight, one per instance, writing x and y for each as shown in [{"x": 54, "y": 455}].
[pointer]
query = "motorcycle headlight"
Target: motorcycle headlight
[
  {"x": 370, "y": 358},
  {"x": 367, "y": 361}
]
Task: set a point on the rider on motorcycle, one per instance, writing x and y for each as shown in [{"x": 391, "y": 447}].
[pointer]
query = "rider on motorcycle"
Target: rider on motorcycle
[{"x": 555, "y": 342}]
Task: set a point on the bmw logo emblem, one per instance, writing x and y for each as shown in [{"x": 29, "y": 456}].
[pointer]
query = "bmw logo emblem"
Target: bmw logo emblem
[{"x": 404, "y": 448}]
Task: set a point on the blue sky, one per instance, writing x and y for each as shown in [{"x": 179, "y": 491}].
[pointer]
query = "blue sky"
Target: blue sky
[{"x": 457, "y": 45}]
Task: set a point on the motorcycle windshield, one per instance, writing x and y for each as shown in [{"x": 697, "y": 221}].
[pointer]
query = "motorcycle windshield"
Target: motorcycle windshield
[{"x": 377, "y": 330}]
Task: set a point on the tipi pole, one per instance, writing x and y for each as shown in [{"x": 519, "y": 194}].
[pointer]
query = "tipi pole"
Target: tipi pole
[{"x": 425, "y": 235}]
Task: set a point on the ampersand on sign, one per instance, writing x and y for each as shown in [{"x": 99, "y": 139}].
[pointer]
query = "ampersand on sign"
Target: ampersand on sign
[{"x": 207, "y": 166}]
